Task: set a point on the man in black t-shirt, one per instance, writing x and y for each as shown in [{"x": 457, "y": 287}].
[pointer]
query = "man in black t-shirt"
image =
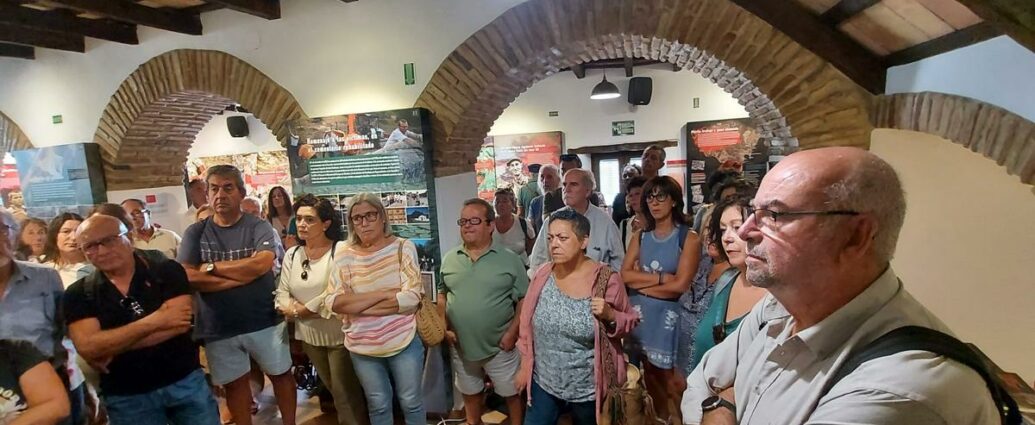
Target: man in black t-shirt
[{"x": 131, "y": 319}]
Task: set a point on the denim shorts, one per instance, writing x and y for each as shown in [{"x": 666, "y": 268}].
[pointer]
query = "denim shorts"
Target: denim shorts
[{"x": 228, "y": 359}]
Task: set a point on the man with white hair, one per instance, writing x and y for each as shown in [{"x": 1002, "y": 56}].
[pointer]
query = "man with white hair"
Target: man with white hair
[
  {"x": 820, "y": 237},
  {"x": 605, "y": 244},
  {"x": 549, "y": 179},
  {"x": 252, "y": 206}
]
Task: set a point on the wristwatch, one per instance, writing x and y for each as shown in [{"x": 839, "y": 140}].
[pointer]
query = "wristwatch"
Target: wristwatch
[
  {"x": 715, "y": 402},
  {"x": 209, "y": 268}
]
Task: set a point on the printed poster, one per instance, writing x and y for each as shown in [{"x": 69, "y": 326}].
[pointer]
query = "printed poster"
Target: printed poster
[
  {"x": 724, "y": 144},
  {"x": 262, "y": 170},
  {"x": 385, "y": 153},
  {"x": 503, "y": 160},
  {"x": 60, "y": 178}
]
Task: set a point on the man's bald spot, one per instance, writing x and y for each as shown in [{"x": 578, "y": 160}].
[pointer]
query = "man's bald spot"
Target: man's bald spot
[
  {"x": 100, "y": 224},
  {"x": 814, "y": 170}
]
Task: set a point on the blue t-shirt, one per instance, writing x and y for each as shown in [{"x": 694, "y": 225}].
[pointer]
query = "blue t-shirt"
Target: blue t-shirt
[{"x": 239, "y": 310}]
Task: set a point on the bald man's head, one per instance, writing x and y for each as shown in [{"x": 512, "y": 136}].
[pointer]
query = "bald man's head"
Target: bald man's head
[{"x": 103, "y": 239}]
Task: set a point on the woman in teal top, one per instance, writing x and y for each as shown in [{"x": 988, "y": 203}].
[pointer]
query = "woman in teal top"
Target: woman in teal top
[{"x": 734, "y": 296}]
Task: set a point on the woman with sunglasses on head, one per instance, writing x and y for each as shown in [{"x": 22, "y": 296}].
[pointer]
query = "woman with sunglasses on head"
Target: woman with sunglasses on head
[
  {"x": 377, "y": 288},
  {"x": 660, "y": 262},
  {"x": 300, "y": 295},
  {"x": 733, "y": 300}
]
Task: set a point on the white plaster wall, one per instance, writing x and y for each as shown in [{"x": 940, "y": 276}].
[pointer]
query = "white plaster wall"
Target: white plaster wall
[
  {"x": 998, "y": 71},
  {"x": 965, "y": 250},
  {"x": 214, "y": 138},
  {"x": 335, "y": 58}
]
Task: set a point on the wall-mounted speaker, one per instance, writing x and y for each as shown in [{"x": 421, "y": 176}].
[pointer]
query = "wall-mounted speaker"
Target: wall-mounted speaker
[
  {"x": 640, "y": 90},
  {"x": 237, "y": 125}
]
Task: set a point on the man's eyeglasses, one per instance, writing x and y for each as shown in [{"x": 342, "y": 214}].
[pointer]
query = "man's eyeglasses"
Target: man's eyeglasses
[
  {"x": 139, "y": 213},
  {"x": 107, "y": 242},
  {"x": 768, "y": 217},
  {"x": 5, "y": 229},
  {"x": 305, "y": 269},
  {"x": 472, "y": 221},
  {"x": 360, "y": 218},
  {"x": 131, "y": 304}
]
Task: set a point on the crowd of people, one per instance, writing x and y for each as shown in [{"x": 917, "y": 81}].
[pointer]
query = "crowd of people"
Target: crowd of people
[{"x": 740, "y": 311}]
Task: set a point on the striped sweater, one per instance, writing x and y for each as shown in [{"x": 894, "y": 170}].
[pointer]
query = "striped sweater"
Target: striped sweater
[{"x": 361, "y": 272}]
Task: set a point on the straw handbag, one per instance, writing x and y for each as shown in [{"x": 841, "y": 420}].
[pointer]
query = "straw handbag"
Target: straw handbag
[{"x": 430, "y": 326}]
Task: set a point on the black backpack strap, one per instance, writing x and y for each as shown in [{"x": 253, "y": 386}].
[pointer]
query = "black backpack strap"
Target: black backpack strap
[{"x": 915, "y": 338}]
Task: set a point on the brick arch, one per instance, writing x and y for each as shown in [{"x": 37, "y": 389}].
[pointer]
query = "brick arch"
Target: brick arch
[
  {"x": 11, "y": 136},
  {"x": 791, "y": 92},
  {"x": 152, "y": 119},
  {"x": 998, "y": 134}
]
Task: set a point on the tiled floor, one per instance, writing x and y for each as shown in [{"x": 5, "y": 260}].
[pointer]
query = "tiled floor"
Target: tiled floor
[{"x": 308, "y": 411}]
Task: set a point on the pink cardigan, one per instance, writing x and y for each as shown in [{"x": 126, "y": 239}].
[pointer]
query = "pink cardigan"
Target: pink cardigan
[{"x": 625, "y": 320}]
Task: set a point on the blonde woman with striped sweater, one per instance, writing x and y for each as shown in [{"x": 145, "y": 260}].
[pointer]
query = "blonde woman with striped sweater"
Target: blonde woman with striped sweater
[{"x": 377, "y": 288}]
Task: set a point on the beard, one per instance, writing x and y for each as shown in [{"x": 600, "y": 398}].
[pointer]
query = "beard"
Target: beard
[{"x": 760, "y": 276}]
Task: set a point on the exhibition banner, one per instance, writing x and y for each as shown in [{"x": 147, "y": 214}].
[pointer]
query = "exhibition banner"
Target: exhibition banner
[
  {"x": 385, "y": 153},
  {"x": 723, "y": 144},
  {"x": 60, "y": 178},
  {"x": 503, "y": 160}
]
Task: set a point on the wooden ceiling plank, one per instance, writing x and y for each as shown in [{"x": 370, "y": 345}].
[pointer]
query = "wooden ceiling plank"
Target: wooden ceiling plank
[
  {"x": 62, "y": 22},
  {"x": 864, "y": 37},
  {"x": 1016, "y": 18},
  {"x": 122, "y": 10},
  {"x": 845, "y": 10},
  {"x": 17, "y": 51},
  {"x": 845, "y": 54},
  {"x": 952, "y": 41},
  {"x": 921, "y": 17},
  {"x": 952, "y": 12},
  {"x": 39, "y": 38},
  {"x": 266, "y": 9},
  {"x": 889, "y": 28}
]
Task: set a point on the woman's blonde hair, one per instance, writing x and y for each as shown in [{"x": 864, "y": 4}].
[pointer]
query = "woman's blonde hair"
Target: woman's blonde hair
[{"x": 369, "y": 199}]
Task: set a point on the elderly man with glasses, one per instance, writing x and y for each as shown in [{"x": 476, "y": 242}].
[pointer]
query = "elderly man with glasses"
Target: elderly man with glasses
[
  {"x": 146, "y": 234},
  {"x": 131, "y": 319},
  {"x": 820, "y": 238}
]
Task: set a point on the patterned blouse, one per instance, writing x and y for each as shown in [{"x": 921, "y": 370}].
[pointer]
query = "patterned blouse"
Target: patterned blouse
[{"x": 564, "y": 338}]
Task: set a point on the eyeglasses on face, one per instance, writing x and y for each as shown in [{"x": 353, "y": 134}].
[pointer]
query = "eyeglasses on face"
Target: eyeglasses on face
[
  {"x": 472, "y": 221},
  {"x": 768, "y": 217},
  {"x": 107, "y": 242},
  {"x": 657, "y": 196},
  {"x": 368, "y": 217},
  {"x": 139, "y": 213}
]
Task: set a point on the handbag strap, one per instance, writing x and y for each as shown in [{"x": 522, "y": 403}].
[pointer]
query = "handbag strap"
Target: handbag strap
[{"x": 610, "y": 371}]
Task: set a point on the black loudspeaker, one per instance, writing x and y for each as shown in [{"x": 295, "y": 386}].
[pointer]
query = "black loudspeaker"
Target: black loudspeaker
[
  {"x": 640, "y": 90},
  {"x": 237, "y": 125}
]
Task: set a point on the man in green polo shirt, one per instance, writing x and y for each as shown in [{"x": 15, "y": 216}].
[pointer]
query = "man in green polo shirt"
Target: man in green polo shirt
[{"x": 483, "y": 285}]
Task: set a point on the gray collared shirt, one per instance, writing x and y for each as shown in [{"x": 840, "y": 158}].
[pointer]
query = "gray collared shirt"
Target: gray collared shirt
[
  {"x": 778, "y": 377},
  {"x": 605, "y": 243},
  {"x": 29, "y": 308}
]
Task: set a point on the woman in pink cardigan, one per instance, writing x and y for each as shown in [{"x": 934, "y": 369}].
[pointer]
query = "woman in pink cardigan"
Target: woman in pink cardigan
[{"x": 559, "y": 339}]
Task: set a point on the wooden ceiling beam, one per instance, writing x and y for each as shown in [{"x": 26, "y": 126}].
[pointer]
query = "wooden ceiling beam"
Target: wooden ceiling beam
[
  {"x": 17, "y": 51},
  {"x": 808, "y": 30},
  {"x": 1016, "y": 18},
  {"x": 951, "y": 41},
  {"x": 39, "y": 38},
  {"x": 62, "y": 22},
  {"x": 845, "y": 10},
  {"x": 123, "y": 10},
  {"x": 266, "y": 9}
]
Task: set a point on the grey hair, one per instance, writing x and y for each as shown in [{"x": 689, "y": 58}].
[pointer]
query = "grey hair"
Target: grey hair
[
  {"x": 579, "y": 223},
  {"x": 372, "y": 200},
  {"x": 873, "y": 186},
  {"x": 540, "y": 176},
  {"x": 588, "y": 179},
  {"x": 254, "y": 199}
]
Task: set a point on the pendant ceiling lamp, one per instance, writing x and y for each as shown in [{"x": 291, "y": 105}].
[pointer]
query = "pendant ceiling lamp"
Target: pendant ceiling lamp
[{"x": 605, "y": 90}]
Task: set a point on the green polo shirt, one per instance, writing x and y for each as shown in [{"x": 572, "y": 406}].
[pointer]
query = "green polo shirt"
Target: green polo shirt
[{"x": 481, "y": 297}]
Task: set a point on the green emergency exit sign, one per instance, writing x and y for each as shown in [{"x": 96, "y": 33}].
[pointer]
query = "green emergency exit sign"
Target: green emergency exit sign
[{"x": 408, "y": 74}]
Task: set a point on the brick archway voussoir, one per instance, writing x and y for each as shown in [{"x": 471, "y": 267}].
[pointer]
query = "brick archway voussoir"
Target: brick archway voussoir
[
  {"x": 998, "y": 134},
  {"x": 11, "y": 136},
  {"x": 151, "y": 121}
]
